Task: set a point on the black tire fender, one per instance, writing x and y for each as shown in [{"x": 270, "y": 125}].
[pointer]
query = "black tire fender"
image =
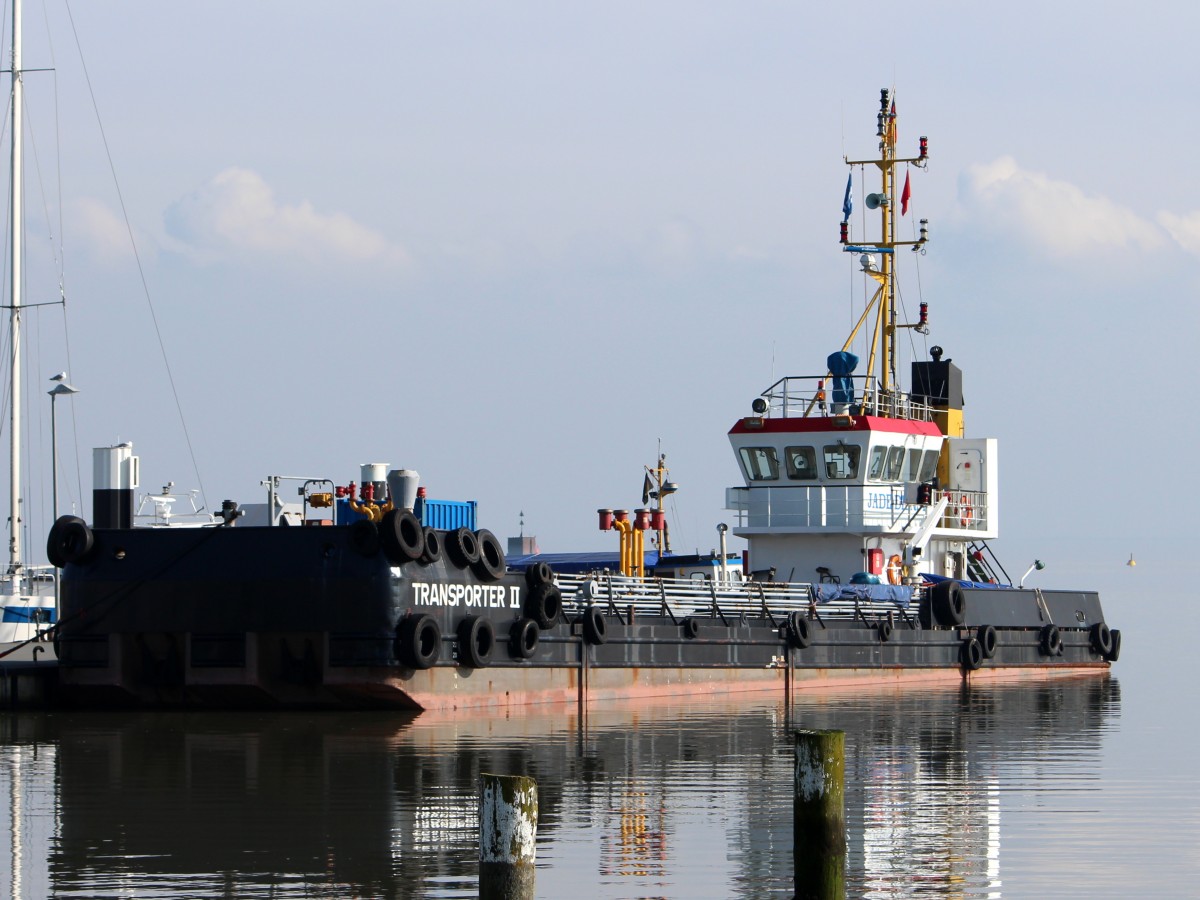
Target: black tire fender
[
  {"x": 595, "y": 626},
  {"x": 799, "y": 635},
  {"x": 476, "y": 641},
  {"x": 1050, "y": 640},
  {"x": 70, "y": 542},
  {"x": 971, "y": 654},
  {"x": 419, "y": 642},
  {"x": 538, "y": 573},
  {"x": 1101, "y": 639},
  {"x": 491, "y": 564},
  {"x": 523, "y": 638},
  {"x": 462, "y": 547},
  {"x": 986, "y": 635},
  {"x": 432, "y": 551},
  {"x": 948, "y": 603},
  {"x": 1115, "y": 653},
  {"x": 401, "y": 537},
  {"x": 691, "y": 627},
  {"x": 543, "y": 604},
  {"x": 885, "y": 631}
]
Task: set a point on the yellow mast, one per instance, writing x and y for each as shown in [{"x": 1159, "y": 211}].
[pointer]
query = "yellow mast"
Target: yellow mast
[{"x": 883, "y": 340}]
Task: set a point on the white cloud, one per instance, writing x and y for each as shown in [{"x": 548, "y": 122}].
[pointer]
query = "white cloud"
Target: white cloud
[
  {"x": 1184, "y": 229},
  {"x": 237, "y": 214},
  {"x": 102, "y": 232},
  {"x": 1056, "y": 216}
]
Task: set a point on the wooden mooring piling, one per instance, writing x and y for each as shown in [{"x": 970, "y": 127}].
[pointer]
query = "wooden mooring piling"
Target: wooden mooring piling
[
  {"x": 508, "y": 818},
  {"x": 819, "y": 815}
]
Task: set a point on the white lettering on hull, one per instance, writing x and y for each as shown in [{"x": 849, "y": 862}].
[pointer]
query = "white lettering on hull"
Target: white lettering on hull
[{"x": 473, "y": 596}]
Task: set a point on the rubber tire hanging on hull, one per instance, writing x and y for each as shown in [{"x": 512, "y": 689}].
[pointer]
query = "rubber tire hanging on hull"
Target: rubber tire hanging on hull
[
  {"x": 543, "y": 604},
  {"x": 1101, "y": 639},
  {"x": 476, "y": 641},
  {"x": 971, "y": 654},
  {"x": 491, "y": 565},
  {"x": 799, "y": 635},
  {"x": 401, "y": 537},
  {"x": 71, "y": 541},
  {"x": 539, "y": 573},
  {"x": 884, "y": 630},
  {"x": 419, "y": 642},
  {"x": 595, "y": 626},
  {"x": 948, "y": 603},
  {"x": 523, "y": 638},
  {"x": 1050, "y": 640},
  {"x": 462, "y": 547},
  {"x": 1115, "y": 653},
  {"x": 691, "y": 627},
  {"x": 986, "y": 635},
  {"x": 433, "y": 546}
]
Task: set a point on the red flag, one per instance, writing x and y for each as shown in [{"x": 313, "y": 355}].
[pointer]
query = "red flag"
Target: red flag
[{"x": 904, "y": 196}]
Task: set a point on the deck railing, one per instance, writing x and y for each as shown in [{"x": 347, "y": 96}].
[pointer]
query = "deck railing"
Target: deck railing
[
  {"x": 804, "y": 395},
  {"x": 849, "y": 506},
  {"x": 681, "y": 598}
]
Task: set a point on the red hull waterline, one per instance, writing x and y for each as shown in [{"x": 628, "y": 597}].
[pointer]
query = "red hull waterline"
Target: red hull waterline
[{"x": 448, "y": 689}]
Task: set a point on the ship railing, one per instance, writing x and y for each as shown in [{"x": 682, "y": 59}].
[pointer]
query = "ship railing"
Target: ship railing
[
  {"x": 850, "y": 506},
  {"x": 813, "y": 395},
  {"x": 681, "y": 598}
]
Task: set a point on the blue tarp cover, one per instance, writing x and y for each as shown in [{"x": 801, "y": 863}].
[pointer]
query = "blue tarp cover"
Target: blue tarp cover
[
  {"x": 934, "y": 579},
  {"x": 841, "y": 364},
  {"x": 900, "y": 594}
]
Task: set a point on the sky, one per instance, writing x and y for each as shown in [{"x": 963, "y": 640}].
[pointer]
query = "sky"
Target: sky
[{"x": 519, "y": 247}]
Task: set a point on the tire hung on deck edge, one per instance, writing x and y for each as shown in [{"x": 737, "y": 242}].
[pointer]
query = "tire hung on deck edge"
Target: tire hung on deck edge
[
  {"x": 476, "y": 641},
  {"x": 462, "y": 547},
  {"x": 71, "y": 541},
  {"x": 986, "y": 635},
  {"x": 1050, "y": 640},
  {"x": 595, "y": 626},
  {"x": 401, "y": 537},
  {"x": 418, "y": 642},
  {"x": 523, "y": 639},
  {"x": 1101, "y": 639},
  {"x": 543, "y": 604},
  {"x": 948, "y": 603},
  {"x": 491, "y": 565},
  {"x": 799, "y": 635},
  {"x": 971, "y": 654}
]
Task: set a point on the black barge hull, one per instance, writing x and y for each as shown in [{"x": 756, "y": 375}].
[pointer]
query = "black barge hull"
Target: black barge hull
[{"x": 318, "y": 617}]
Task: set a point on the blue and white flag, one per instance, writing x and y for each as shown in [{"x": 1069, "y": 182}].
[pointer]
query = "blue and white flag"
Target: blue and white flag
[{"x": 848, "y": 203}]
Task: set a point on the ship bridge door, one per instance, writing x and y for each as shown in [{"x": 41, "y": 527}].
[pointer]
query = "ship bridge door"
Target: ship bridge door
[{"x": 967, "y": 472}]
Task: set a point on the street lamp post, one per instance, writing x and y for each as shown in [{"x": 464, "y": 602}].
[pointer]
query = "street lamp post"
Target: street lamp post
[{"x": 61, "y": 389}]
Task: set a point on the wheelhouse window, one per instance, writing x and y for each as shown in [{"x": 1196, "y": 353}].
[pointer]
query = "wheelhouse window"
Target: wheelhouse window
[
  {"x": 801, "y": 463},
  {"x": 841, "y": 461},
  {"x": 914, "y": 465},
  {"x": 895, "y": 463},
  {"x": 929, "y": 465},
  {"x": 878, "y": 462},
  {"x": 761, "y": 463}
]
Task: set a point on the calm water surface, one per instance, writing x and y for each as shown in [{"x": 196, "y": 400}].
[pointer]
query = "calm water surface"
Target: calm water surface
[{"x": 1019, "y": 791}]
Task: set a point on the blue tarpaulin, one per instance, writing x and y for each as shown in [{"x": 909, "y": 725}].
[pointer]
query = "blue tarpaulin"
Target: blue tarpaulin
[
  {"x": 841, "y": 364},
  {"x": 900, "y": 594}
]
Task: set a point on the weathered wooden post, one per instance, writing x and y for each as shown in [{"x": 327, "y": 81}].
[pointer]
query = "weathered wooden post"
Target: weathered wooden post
[
  {"x": 508, "y": 817},
  {"x": 819, "y": 817}
]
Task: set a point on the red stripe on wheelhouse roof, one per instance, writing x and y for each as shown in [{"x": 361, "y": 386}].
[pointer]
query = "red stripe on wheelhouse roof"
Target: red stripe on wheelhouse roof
[{"x": 810, "y": 424}]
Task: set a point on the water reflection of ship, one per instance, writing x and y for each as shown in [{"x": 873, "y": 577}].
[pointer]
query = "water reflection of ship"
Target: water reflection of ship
[{"x": 385, "y": 806}]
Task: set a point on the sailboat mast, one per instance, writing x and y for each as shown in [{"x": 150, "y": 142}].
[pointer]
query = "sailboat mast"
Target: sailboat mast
[{"x": 14, "y": 335}]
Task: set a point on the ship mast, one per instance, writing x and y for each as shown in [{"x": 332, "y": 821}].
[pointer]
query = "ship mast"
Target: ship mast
[
  {"x": 879, "y": 257},
  {"x": 16, "y": 229}
]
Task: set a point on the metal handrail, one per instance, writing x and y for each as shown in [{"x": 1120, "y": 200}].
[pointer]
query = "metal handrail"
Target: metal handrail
[{"x": 679, "y": 598}]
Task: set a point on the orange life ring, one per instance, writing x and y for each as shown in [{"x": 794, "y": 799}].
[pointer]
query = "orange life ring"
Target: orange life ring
[
  {"x": 966, "y": 513},
  {"x": 895, "y": 569}
]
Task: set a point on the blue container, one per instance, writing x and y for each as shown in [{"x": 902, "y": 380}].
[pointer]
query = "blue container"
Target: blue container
[
  {"x": 449, "y": 514},
  {"x": 443, "y": 514}
]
